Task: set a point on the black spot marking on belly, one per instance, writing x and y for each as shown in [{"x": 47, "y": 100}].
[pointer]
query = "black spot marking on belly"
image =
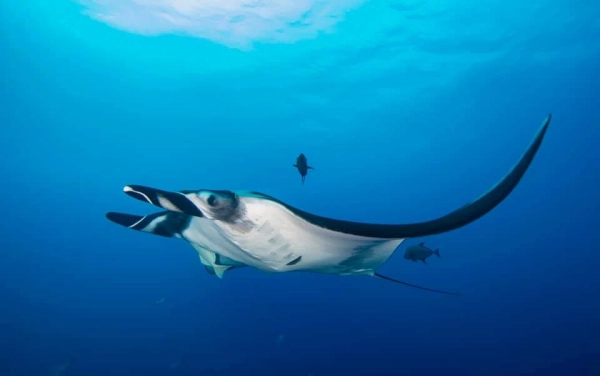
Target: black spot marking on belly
[{"x": 295, "y": 261}]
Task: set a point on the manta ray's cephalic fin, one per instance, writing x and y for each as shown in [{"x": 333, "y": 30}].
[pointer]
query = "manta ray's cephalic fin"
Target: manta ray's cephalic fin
[{"x": 168, "y": 224}]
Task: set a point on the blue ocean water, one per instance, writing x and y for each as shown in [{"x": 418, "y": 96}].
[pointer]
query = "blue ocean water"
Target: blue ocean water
[{"x": 406, "y": 109}]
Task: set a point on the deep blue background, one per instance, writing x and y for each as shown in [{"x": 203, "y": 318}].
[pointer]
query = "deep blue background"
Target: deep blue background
[{"x": 86, "y": 109}]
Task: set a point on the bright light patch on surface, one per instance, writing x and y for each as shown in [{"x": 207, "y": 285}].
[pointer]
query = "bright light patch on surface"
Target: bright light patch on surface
[
  {"x": 379, "y": 53},
  {"x": 235, "y": 23}
]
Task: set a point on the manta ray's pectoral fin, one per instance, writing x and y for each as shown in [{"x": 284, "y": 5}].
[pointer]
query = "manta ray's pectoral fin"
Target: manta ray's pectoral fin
[
  {"x": 215, "y": 263},
  {"x": 451, "y": 221},
  {"x": 415, "y": 286},
  {"x": 183, "y": 202},
  {"x": 178, "y": 201}
]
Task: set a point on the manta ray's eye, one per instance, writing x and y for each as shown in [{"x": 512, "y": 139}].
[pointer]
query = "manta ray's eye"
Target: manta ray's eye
[{"x": 211, "y": 200}]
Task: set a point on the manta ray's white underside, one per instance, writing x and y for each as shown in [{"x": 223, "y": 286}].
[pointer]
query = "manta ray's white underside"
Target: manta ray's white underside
[{"x": 272, "y": 237}]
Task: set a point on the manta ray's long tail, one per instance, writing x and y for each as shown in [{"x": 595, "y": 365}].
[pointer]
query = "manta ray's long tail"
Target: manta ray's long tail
[{"x": 415, "y": 286}]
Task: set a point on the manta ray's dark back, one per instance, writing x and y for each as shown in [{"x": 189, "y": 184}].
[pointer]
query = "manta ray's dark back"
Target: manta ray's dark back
[{"x": 302, "y": 166}]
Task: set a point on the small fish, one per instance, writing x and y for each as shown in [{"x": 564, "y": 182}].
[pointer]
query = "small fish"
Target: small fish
[
  {"x": 178, "y": 363},
  {"x": 420, "y": 253},
  {"x": 159, "y": 301},
  {"x": 280, "y": 340},
  {"x": 302, "y": 166},
  {"x": 59, "y": 370}
]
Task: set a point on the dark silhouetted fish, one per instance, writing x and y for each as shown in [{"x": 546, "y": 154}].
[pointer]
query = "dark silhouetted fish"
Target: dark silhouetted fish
[
  {"x": 59, "y": 370},
  {"x": 302, "y": 166},
  {"x": 420, "y": 252},
  {"x": 179, "y": 363}
]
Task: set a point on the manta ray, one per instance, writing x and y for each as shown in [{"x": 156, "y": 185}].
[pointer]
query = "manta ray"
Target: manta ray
[{"x": 233, "y": 229}]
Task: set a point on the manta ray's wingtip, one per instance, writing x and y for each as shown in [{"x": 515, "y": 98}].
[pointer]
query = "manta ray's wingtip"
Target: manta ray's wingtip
[
  {"x": 546, "y": 123},
  {"x": 539, "y": 136},
  {"x": 535, "y": 145},
  {"x": 126, "y": 220}
]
